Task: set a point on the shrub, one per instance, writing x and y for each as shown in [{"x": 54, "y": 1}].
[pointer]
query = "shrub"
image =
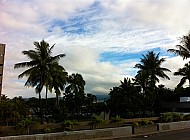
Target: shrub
[
  {"x": 170, "y": 117},
  {"x": 117, "y": 119},
  {"x": 186, "y": 117},
  {"x": 143, "y": 122},
  {"x": 135, "y": 124},
  {"x": 96, "y": 120},
  {"x": 26, "y": 124},
  {"x": 177, "y": 117},
  {"x": 70, "y": 124}
]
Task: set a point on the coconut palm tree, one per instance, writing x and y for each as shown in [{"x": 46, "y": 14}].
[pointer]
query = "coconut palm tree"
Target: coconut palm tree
[
  {"x": 59, "y": 77},
  {"x": 183, "y": 50},
  {"x": 38, "y": 67},
  {"x": 185, "y": 73},
  {"x": 148, "y": 76},
  {"x": 150, "y": 68}
]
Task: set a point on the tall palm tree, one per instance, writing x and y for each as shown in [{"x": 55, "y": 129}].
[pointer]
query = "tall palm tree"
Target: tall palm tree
[
  {"x": 183, "y": 50},
  {"x": 38, "y": 67},
  {"x": 148, "y": 76},
  {"x": 185, "y": 73},
  {"x": 150, "y": 68}
]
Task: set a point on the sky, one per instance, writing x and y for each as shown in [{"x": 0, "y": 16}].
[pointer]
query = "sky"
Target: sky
[{"x": 102, "y": 39}]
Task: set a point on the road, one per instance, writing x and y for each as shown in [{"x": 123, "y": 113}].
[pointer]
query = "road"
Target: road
[{"x": 172, "y": 135}]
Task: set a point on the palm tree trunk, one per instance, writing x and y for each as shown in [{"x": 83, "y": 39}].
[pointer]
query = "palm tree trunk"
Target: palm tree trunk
[
  {"x": 46, "y": 97},
  {"x": 40, "y": 104},
  {"x": 46, "y": 108},
  {"x": 57, "y": 100}
]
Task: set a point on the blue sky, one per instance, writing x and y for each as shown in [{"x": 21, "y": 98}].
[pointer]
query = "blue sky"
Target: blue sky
[{"x": 102, "y": 39}]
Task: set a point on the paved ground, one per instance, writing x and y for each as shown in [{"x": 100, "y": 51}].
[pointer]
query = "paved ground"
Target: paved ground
[{"x": 172, "y": 135}]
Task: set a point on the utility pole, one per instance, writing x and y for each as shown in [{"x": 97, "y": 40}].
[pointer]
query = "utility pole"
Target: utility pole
[{"x": 2, "y": 54}]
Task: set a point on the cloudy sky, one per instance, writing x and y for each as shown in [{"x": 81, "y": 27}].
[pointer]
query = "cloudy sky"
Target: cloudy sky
[{"x": 102, "y": 39}]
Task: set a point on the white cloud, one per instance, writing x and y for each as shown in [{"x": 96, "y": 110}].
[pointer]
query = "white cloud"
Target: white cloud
[
  {"x": 99, "y": 76},
  {"x": 171, "y": 14}
]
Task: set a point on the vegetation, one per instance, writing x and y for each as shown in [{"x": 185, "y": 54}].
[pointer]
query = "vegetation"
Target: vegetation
[
  {"x": 143, "y": 122},
  {"x": 117, "y": 119},
  {"x": 96, "y": 120},
  {"x": 41, "y": 67},
  {"x": 171, "y": 117}
]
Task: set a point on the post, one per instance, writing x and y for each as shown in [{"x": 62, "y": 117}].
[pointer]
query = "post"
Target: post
[{"x": 2, "y": 54}]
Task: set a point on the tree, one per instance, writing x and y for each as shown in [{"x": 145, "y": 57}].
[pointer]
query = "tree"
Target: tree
[
  {"x": 90, "y": 100},
  {"x": 148, "y": 76},
  {"x": 150, "y": 68},
  {"x": 75, "y": 92},
  {"x": 59, "y": 78},
  {"x": 185, "y": 73},
  {"x": 124, "y": 98},
  {"x": 183, "y": 50},
  {"x": 38, "y": 67}
]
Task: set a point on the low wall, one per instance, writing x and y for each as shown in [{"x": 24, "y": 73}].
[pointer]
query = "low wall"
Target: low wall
[
  {"x": 173, "y": 126},
  {"x": 144, "y": 129},
  {"x": 101, "y": 133},
  {"x": 76, "y": 135}
]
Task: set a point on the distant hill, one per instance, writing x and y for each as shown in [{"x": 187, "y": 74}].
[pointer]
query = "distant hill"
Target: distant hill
[{"x": 102, "y": 97}]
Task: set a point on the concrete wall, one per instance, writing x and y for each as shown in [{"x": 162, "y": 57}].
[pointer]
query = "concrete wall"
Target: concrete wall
[
  {"x": 173, "y": 126},
  {"x": 101, "y": 133},
  {"x": 76, "y": 135}
]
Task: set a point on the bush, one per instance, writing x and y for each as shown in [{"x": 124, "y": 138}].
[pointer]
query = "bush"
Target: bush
[
  {"x": 135, "y": 124},
  {"x": 143, "y": 122},
  {"x": 117, "y": 119},
  {"x": 170, "y": 117},
  {"x": 96, "y": 120},
  {"x": 70, "y": 124},
  {"x": 186, "y": 117}
]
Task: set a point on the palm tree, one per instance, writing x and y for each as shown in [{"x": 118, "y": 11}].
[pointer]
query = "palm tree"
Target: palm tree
[
  {"x": 183, "y": 50},
  {"x": 75, "y": 91},
  {"x": 130, "y": 93},
  {"x": 76, "y": 84},
  {"x": 124, "y": 98},
  {"x": 38, "y": 73},
  {"x": 150, "y": 68},
  {"x": 59, "y": 77},
  {"x": 147, "y": 77},
  {"x": 185, "y": 73}
]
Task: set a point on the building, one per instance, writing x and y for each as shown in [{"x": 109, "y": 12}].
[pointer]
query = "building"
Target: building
[{"x": 2, "y": 54}]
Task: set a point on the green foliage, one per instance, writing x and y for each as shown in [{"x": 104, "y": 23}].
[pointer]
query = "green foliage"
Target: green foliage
[
  {"x": 25, "y": 125},
  {"x": 69, "y": 124},
  {"x": 117, "y": 119},
  {"x": 47, "y": 130},
  {"x": 135, "y": 124},
  {"x": 96, "y": 120},
  {"x": 143, "y": 122},
  {"x": 170, "y": 117}
]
